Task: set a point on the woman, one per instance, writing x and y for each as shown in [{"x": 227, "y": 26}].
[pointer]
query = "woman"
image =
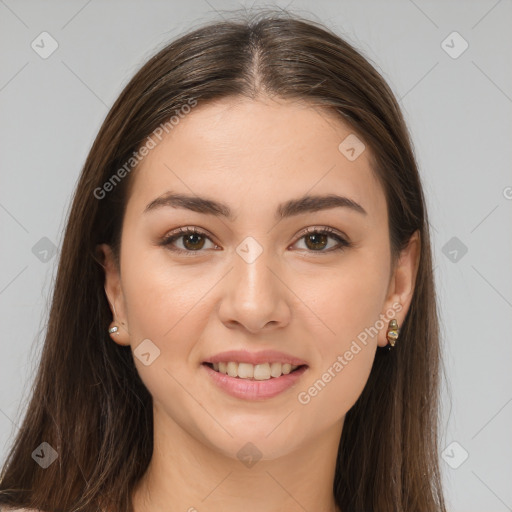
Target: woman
[{"x": 244, "y": 314}]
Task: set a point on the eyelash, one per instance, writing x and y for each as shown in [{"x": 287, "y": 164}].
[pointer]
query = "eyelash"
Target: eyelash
[{"x": 324, "y": 230}]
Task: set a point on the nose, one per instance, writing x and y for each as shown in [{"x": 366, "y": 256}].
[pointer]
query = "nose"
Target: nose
[{"x": 255, "y": 297}]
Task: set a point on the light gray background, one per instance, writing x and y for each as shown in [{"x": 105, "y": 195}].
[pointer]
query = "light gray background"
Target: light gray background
[{"x": 459, "y": 113}]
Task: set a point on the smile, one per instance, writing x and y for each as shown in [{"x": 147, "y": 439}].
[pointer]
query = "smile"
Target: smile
[
  {"x": 254, "y": 382},
  {"x": 262, "y": 371}
]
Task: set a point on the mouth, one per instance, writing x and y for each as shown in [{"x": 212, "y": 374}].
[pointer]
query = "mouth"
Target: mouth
[
  {"x": 257, "y": 382},
  {"x": 254, "y": 372}
]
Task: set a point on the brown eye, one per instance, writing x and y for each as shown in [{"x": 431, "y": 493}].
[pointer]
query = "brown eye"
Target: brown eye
[
  {"x": 191, "y": 240},
  {"x": 317, "y": 239}
]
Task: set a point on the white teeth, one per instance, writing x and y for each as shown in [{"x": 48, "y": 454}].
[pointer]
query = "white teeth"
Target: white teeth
[
  {"x": 263, "y": 371},
  {"x": 275, "y": 369},
  {"x": 232, "y": 369},
  {"x": 245, "y": 370}
]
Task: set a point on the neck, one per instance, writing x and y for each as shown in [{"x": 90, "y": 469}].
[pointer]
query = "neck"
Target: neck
[{"x": 187, "y": 475}]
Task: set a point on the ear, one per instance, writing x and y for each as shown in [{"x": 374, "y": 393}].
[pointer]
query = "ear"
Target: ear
[
  {"x": 114, "y": 293},
  {"x": 401, "y": 285}
]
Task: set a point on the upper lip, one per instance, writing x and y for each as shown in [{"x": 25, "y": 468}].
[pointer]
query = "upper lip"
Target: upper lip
[{"x": 264, "y": 356}]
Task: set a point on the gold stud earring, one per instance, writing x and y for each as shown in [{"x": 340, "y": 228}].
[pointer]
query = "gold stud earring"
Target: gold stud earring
[{"x": 392, "y": 334}]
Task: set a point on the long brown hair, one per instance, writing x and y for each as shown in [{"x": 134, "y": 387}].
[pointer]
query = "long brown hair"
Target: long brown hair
[{"x": 88, "y": 401}]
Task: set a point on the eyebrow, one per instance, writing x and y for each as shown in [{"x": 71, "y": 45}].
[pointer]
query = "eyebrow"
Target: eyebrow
[{"x": 305, "y": 204}]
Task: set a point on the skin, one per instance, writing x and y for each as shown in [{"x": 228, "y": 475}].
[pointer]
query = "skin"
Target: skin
[{"x": 311, "y": 303}]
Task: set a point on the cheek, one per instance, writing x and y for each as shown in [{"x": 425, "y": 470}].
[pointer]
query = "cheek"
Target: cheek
[
  {"x": 330, "y": 393},
  {"x": 165, "y": 305},
  {"x": 346, "y": 340},
  {"x": 159, "y": 295},
  {"x": 345, "y": 355},
  {"x": 346, "y": 301}
]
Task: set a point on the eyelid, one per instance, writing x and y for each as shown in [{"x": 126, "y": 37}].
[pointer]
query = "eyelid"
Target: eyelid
[
  {"x": 322, "y": 229},
  {"x": 176, "y": 234},
  {"x": 342, "y": 239}
]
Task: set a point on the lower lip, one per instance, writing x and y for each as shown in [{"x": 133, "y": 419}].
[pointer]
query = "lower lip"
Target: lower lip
[{"x": 254, "y": 389}]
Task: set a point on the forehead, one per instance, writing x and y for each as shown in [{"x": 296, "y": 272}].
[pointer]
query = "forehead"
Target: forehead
[{"x": 244, "y": 151}]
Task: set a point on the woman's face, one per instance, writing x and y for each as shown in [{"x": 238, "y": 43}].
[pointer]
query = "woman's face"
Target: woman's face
[{"x": 252, "y": 176}]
